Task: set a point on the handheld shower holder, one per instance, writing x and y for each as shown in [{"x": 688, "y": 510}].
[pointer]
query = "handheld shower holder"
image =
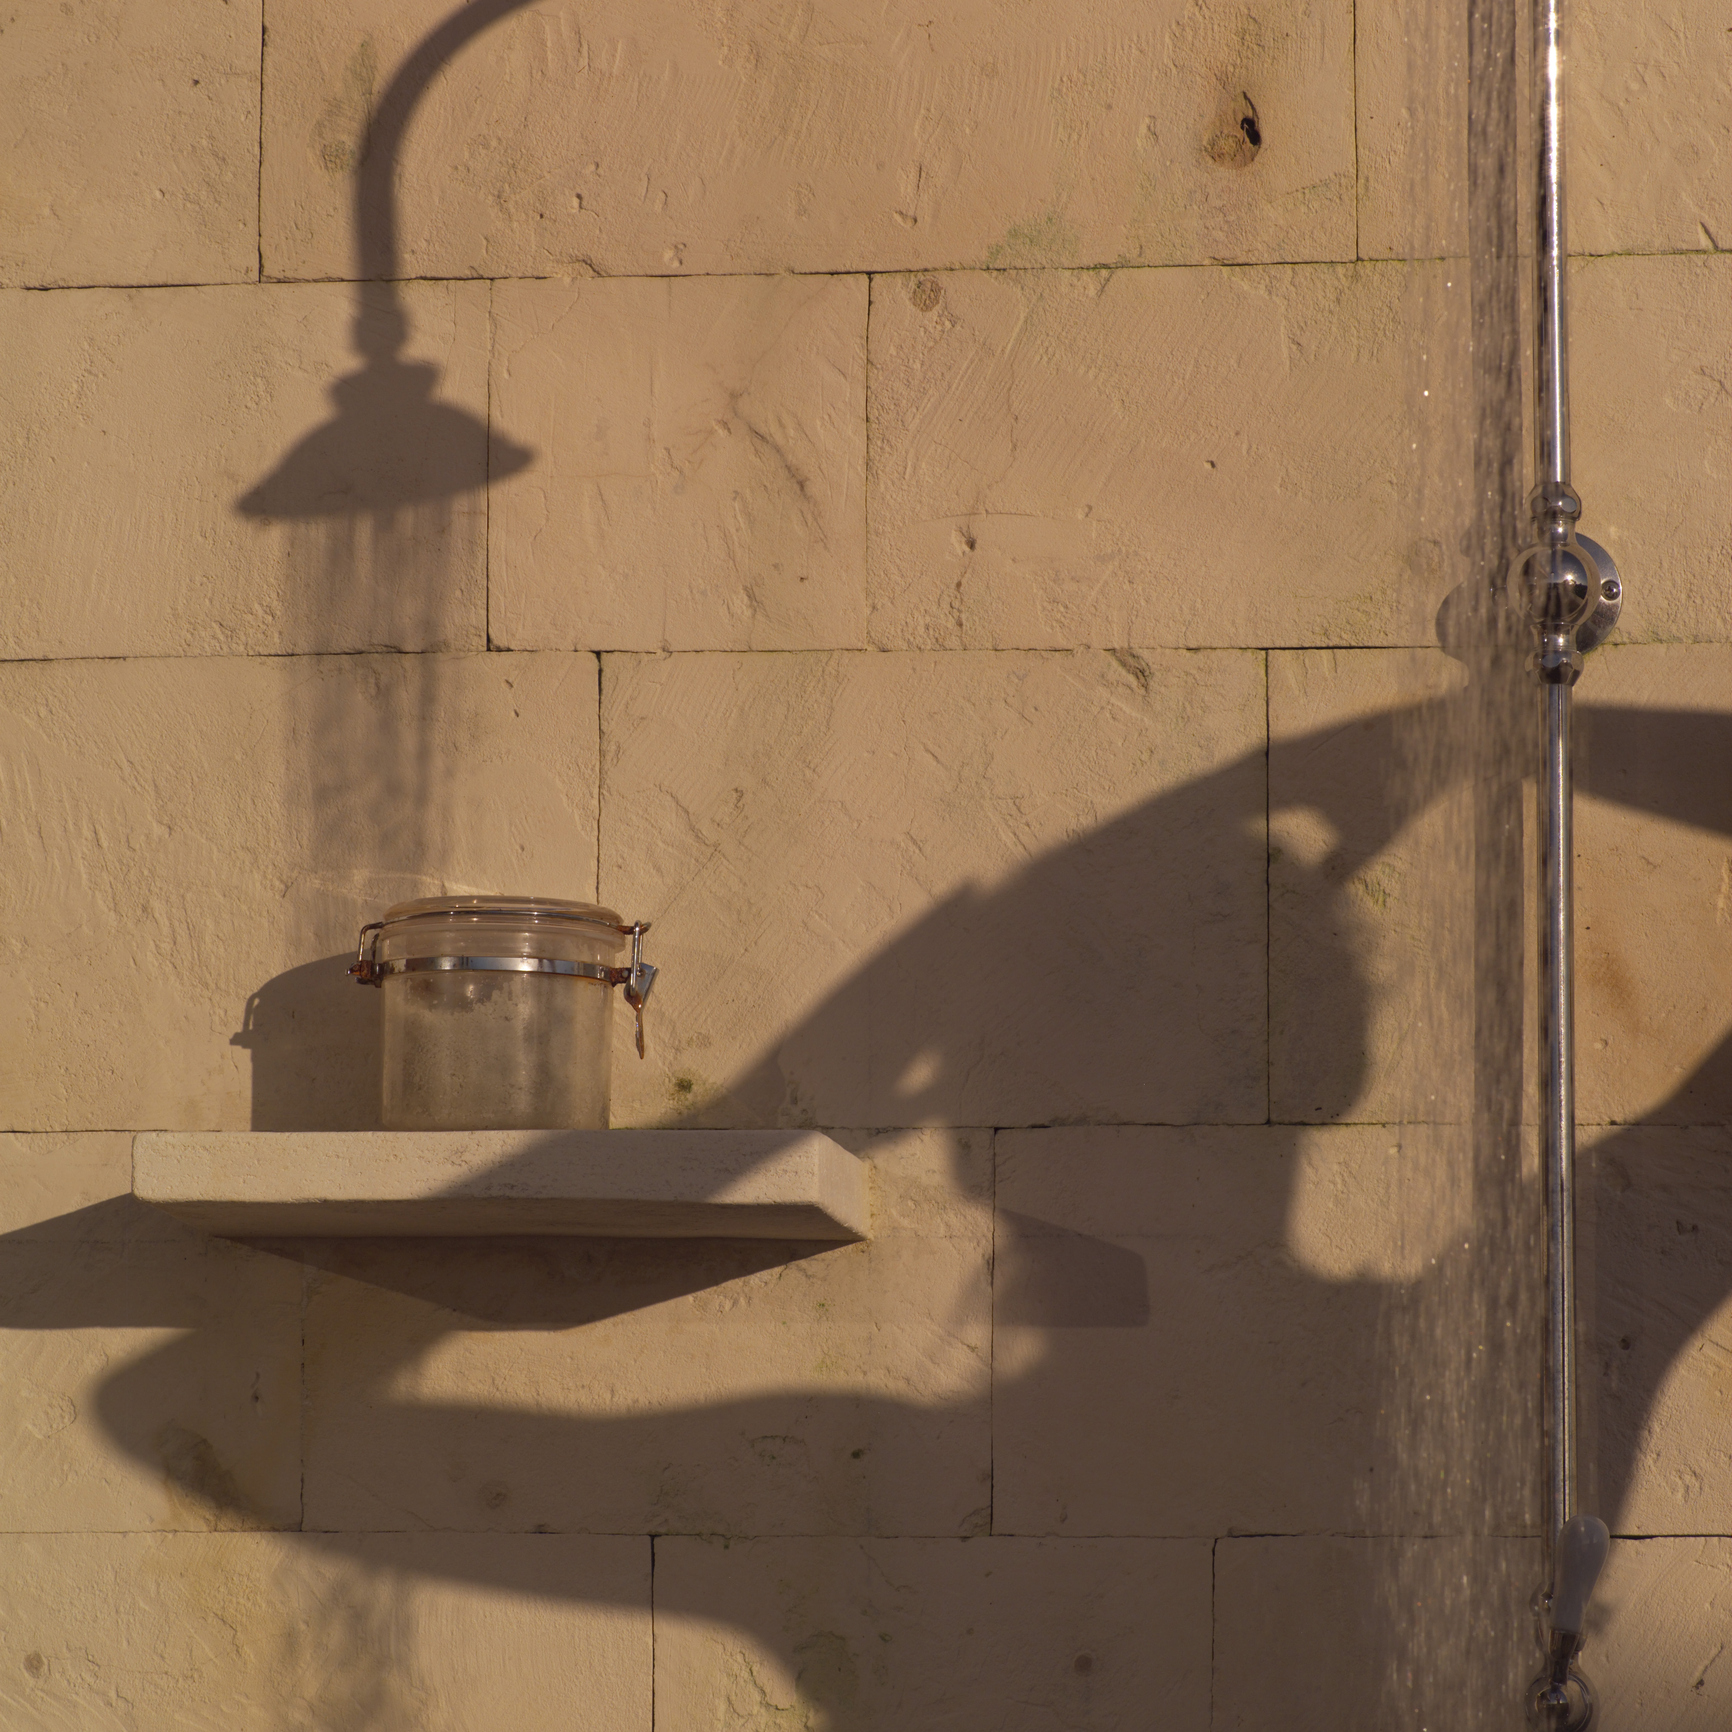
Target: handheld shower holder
[{"x": 1561, "y": 1699}]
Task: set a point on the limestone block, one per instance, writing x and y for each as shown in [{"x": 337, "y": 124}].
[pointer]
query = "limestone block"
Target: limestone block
[
  {"x": 1264, "y": 1329},
  {"x": 1651, "y": 419},
  {"x": 1314, "y": 1632},
  {"x": 193, "y": 846},
  {"x": 1655, "y": 1260},
  {"x": 988, "y": 1635},
  {"x": 1657, "y": 1635},
  {"x": 178, "y": 483},
  {"x": 393, "y": 1632},
  {"x": 1653, "y": 913},
  {"x": 636, "y": 141},
  {"x": 1651, "y": 139},
  {"x": 1371, "y": 884},
  {"x": 905, "y": 889},
  {"x": 704, "y": 479},
  {"x": 132, "y": 143},
  {"x": 1649, "y": 142},
  {"x": 685, "y": 1386},
  {"x": 148, "y": 1385},
  {"x": 1196, "y": 457}
]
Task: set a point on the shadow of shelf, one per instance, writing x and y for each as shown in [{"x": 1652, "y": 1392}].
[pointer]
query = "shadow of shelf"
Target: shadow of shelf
[{"x": 677, "y": 1184}]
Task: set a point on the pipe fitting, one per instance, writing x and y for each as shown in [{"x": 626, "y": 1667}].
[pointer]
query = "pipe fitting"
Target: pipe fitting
[
  {"x": 1559, "y": 583},
  {"x": 1555, "y": 501},
  {"x": 1568, "y": 587}
]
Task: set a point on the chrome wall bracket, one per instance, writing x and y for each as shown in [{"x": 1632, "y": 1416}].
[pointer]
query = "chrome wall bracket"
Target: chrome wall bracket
[
  {"x": 1598, "y": 626},
  {"x": 1568, "y": 584},
  {"x": 1561, "y": 1699}
]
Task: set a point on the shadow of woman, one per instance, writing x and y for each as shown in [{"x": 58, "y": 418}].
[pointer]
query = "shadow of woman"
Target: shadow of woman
[
  {"x": 1150, "y": 1305},
  {"x": 1657, "y": 1192},
  {"x": 1134, "y": 1269}
]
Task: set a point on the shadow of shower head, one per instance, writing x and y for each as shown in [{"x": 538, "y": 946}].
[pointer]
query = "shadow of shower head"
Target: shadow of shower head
[{"x": 392, "y": 443}]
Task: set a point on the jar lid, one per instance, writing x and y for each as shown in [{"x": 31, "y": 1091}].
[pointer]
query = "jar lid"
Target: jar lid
[
  {"x": 521, "y": 907},
  {"x": 493, "y": 918}
]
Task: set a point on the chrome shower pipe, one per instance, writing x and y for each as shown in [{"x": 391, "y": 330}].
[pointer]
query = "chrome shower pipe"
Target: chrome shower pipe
[
  {"x": 1573, "y": 594},
  {"x": 1551, "y": 336},
  {"x": 1558, "y": 1102}
]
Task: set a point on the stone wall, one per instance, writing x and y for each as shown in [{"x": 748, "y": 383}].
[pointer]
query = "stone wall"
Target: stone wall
[{"x": 945, "y": 515}]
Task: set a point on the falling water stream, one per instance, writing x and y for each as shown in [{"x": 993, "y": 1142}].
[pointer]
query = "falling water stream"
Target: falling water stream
[{"x": 1457, "y": 1487}]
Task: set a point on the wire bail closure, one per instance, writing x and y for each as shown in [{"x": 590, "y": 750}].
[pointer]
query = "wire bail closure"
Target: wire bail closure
[{"x": 638, "y": 979}]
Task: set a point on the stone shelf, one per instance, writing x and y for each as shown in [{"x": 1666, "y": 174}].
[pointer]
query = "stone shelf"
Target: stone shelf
[{"x": 637, "y": 1184}]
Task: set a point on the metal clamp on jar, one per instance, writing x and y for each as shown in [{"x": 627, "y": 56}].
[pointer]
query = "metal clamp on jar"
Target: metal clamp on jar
[{"x": 499, "y": 1010}]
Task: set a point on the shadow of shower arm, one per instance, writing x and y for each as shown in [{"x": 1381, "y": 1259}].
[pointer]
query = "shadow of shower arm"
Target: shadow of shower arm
[{"x": 379, "y": 338}]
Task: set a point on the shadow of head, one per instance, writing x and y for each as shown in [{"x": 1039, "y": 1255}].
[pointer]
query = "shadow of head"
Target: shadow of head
[
  {"x": 1123, "y": 976},
  {"x": 1119, "y": 977}
]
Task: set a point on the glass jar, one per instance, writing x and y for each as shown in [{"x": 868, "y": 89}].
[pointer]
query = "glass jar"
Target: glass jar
[{"x": 498, "y": 1010}]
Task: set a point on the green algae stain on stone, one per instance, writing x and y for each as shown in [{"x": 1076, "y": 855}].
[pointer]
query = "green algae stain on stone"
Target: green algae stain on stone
[
  {"x": 827, "y": 1676},
  {"x": 1042, "y": 240}
]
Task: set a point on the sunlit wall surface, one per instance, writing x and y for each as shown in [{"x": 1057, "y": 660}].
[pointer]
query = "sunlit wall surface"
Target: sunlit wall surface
[{"x": 979, "y": 523}]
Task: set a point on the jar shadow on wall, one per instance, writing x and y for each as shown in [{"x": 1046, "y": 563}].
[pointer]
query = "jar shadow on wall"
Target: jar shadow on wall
[{"x": 316, "y": 1049}]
